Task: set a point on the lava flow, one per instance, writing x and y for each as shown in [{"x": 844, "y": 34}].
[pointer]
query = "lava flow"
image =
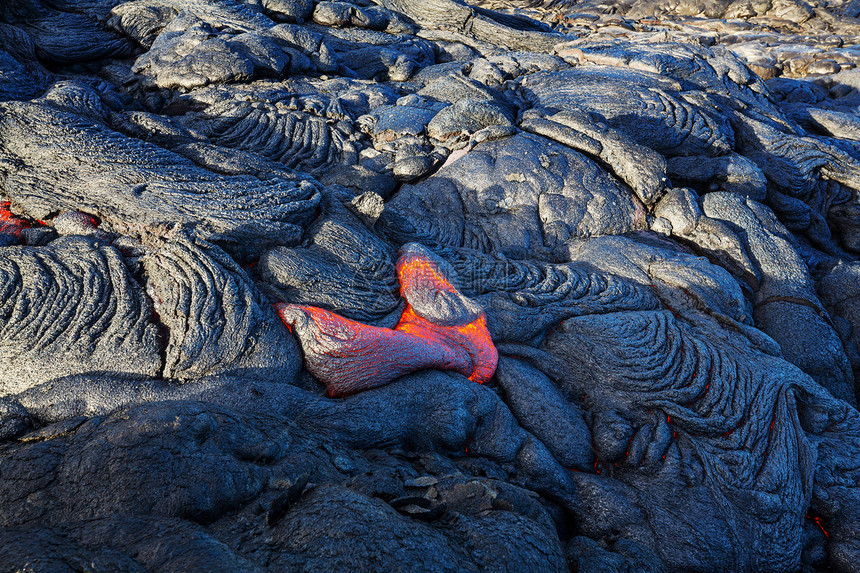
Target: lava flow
[
  {"x": 10, "y": 224},
  {"x": 349, "y": 356}
]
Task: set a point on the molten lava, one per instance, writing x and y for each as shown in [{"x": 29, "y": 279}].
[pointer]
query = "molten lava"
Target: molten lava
[
  {"x": 9, "y": 223},
  {"x": 817, "y": 521},
  {"x": 349, "y": 356}
]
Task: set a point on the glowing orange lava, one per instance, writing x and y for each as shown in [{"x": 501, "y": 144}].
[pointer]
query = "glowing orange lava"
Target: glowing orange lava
[
  {"x": 349, "y": 356},
  {"x": 9, "y": 223}
]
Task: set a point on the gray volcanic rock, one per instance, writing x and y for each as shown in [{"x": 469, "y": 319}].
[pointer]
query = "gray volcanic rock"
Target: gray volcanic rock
[
  {"x": 787, "y": 308},
  {"x": 532, "y": 196},
  {"x": 72, "y": 307},
  {"x": 640, "y": 167},
  {"x": 624, "y": 312},
  {"x": 103, "y": 340},
  {"x": 841, "y": 296},
  {"x": 45, "y": 548},
  {"x": 65, "y": 31},
  {"x": 731, "y": 173},
  {"x": 684, "y": 282},
  {"x": 22, "y": 75},
  {"x": 523, "y": 298},
  {"x": 676, "y": 421},
  {"x": 128, "y": 183},
  {"x": 345, "y": 268},
  {"x": 665, "y": 121},
  {"x": 296, "y": 139},
  {"x": 541, "y": 409},
  {"x": 217, "y": 463},
  {"x": 248, "y": 460},
  {"x": 216, "y": 319}
]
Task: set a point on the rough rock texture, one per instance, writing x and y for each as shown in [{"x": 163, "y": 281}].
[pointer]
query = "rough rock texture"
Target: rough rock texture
[
  {"x": 407, "y": 285},
  {"x": 216, "y": 319},
  {"x": 73, "y": 307},
  {"x": 54, "y": 160},
  {"x": 519, "y": 196}
]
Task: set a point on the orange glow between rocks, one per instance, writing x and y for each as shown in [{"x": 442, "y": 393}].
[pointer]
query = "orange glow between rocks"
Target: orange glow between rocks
[
  {"x": 9, "y": 223},
  {"x": 473, "y": 337},
  {"x": 817, "y": 521}
]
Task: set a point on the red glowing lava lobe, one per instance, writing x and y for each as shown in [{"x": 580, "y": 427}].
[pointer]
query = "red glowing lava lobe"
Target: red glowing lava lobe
[
  {"x": 348, "y": 356},
  {"x": 9, "y": 223}
]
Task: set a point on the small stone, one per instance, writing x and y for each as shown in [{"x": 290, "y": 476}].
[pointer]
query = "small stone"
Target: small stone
[
  {"x": 344, "y": 464},
  {"x": 823, "y": 67},
  {"x": 368, "y": 206},
  {"x": 412, "y": 168},
  {"x": 662, "y": 225},
  {"x": 423, "y": 481}
]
